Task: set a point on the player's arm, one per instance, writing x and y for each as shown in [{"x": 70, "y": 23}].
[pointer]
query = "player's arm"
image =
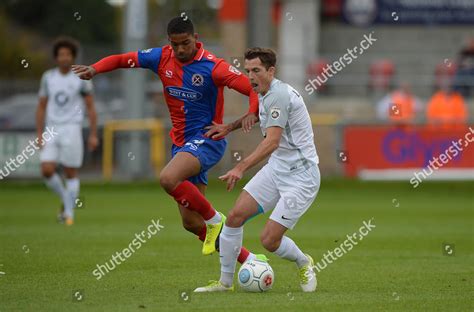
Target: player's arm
[
  {"x": 93, "y": 140},
  {"x": 149, "y": 58},
  {"x": 227, "y": 75},
  {"x": 277, "y": 118},
  {"x": 41, "y": 110},
  {"x": 87, "y": 93},
  {"x": 263, "y": 150},
  {"x": 109, "y": 63},
  {"x": 216, "y": 131},
  {"x": 40, "y": 117}
]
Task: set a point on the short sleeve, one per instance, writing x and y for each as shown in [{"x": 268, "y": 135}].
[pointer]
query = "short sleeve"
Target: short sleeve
[
  {"x": 150, "y": 58},
  {"x": 43, "y": 90},
  {"x": 276, "y": 107},
  {"x": 86, "y": 87}
]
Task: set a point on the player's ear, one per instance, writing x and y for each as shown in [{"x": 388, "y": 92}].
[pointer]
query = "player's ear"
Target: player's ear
[
  {"x": 196, "y": 36},
  {"x": 271, "y": 70}
]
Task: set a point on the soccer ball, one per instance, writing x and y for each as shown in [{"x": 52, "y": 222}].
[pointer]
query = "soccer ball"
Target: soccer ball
[{"x": 256, "y": 276}]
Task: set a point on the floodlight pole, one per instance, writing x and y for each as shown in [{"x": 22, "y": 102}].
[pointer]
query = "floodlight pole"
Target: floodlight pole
[{"x": 135, "y": 32}]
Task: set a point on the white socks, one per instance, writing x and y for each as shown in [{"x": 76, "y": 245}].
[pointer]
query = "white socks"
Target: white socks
[
  {"x": 215, "y": 219},
  {"x": 230, "y": 243},
  {"x": 73, "y": 185},
  {"x": 289, "y": 251},
  {"x": 68, "y": 193},
  {"x": 55, "y": 184}
]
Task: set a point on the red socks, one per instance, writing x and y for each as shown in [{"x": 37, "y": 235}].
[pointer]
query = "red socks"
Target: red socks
[
  {"x": 188, "y": 195},
  {"x": 244, "y": 253}
]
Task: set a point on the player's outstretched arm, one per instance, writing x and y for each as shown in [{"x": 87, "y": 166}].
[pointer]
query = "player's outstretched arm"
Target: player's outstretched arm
[
  {"x": 83, "y": 71},
  {"x": 109, "y": 63},
  {"x": 227, "y": 75}
]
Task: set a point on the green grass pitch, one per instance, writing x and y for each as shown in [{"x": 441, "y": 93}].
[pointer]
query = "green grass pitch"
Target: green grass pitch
[{"x": 399, "y": 266}]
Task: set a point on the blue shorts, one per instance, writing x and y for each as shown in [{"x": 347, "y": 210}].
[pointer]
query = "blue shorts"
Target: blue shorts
[{"x": 208, "y": 151}]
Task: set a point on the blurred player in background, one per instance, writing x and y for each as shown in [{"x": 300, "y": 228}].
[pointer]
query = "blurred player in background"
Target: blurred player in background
[
  {"x": 194, "y": 81},
  {"x": 62, "y": 97},
  {"x": 288, "y": 183}
]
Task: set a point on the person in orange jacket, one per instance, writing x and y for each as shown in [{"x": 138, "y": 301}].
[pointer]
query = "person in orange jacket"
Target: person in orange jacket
[
  {"x": 447, "y": 109},
  {"x": 399, "y": 106}
]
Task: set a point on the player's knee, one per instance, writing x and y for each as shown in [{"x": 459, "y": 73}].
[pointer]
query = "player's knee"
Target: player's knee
[
  {"x": 47, "y": 171},
  {"x": 167, "y": 181},
  {"x": 269, "y": 242},
  {"x": 235, "y": 218},
  {"x": 70, "y": 173}
]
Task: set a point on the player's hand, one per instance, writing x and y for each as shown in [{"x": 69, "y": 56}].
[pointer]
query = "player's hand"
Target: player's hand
[
  {"x": 83, "y": 71},
  {"x": 92, "y": 142},
  {"x": 248, "y": 122},
  {"x": 231, "y": 177},
  {"x": 216, "y": 130}
]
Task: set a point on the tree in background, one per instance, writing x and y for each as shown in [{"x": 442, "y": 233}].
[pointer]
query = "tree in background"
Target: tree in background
[{"x": 29, "y": 27}]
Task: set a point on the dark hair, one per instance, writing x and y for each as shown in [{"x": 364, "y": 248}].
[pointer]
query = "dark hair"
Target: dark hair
[
  {"x": 65, "y": 42},
  {"x": 267, "y": 56},
  {"x": 181, "y": 25}
]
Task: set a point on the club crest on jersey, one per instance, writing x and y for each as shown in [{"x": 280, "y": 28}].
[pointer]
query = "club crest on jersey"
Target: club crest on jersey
[
  {"x": 275, "y": 112},
  {"x": 234, "y": 70},
  {"x": 61, "y": 98},
  {"x": 197, "y": 80},
  {"x": 182, "y": 93}
]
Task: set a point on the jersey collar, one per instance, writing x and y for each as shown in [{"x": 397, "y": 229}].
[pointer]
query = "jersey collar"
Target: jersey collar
[
  {"x": 197, "y": 57},
  {"x": 272, "y": 84}
]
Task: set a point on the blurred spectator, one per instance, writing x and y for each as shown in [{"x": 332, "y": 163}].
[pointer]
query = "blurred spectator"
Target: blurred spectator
[
  {"x": 464, "y": 80},
  {"x": 400, "y": 105},
  {"x": 315, "y": 70},
  {"x": 447, "y": 109},
  {"x": 444, "y": 74},
  {"x": 381, "y": 74}
]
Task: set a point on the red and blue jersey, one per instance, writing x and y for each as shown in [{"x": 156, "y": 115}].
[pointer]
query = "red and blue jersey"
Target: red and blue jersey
[{"x": 194, "y": 91}]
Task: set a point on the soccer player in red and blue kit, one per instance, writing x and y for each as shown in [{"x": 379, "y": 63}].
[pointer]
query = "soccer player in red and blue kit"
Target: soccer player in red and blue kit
[{"x": 193, "y": 81}]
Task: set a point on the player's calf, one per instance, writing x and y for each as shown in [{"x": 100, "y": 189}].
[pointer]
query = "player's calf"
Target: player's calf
[
  {"x": 193, "y": 227},
  {"x": 270, "y": 242},
  {"x": 272, "y": 235}
]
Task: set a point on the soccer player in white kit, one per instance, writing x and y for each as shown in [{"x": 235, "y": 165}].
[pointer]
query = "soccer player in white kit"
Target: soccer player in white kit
[
  {"x": 63, "y": 98},
  {"x": 288, "y": 183}
]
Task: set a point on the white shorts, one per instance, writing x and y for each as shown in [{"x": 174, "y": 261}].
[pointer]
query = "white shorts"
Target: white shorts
[
  {"x": 65, "y": 147},
  {"x": 290, "y": 195}
]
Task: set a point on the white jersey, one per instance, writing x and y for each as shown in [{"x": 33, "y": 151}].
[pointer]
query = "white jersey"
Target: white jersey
[
  {"x": 282, "y": 106},
  {"x": 65, "y": 95}
]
